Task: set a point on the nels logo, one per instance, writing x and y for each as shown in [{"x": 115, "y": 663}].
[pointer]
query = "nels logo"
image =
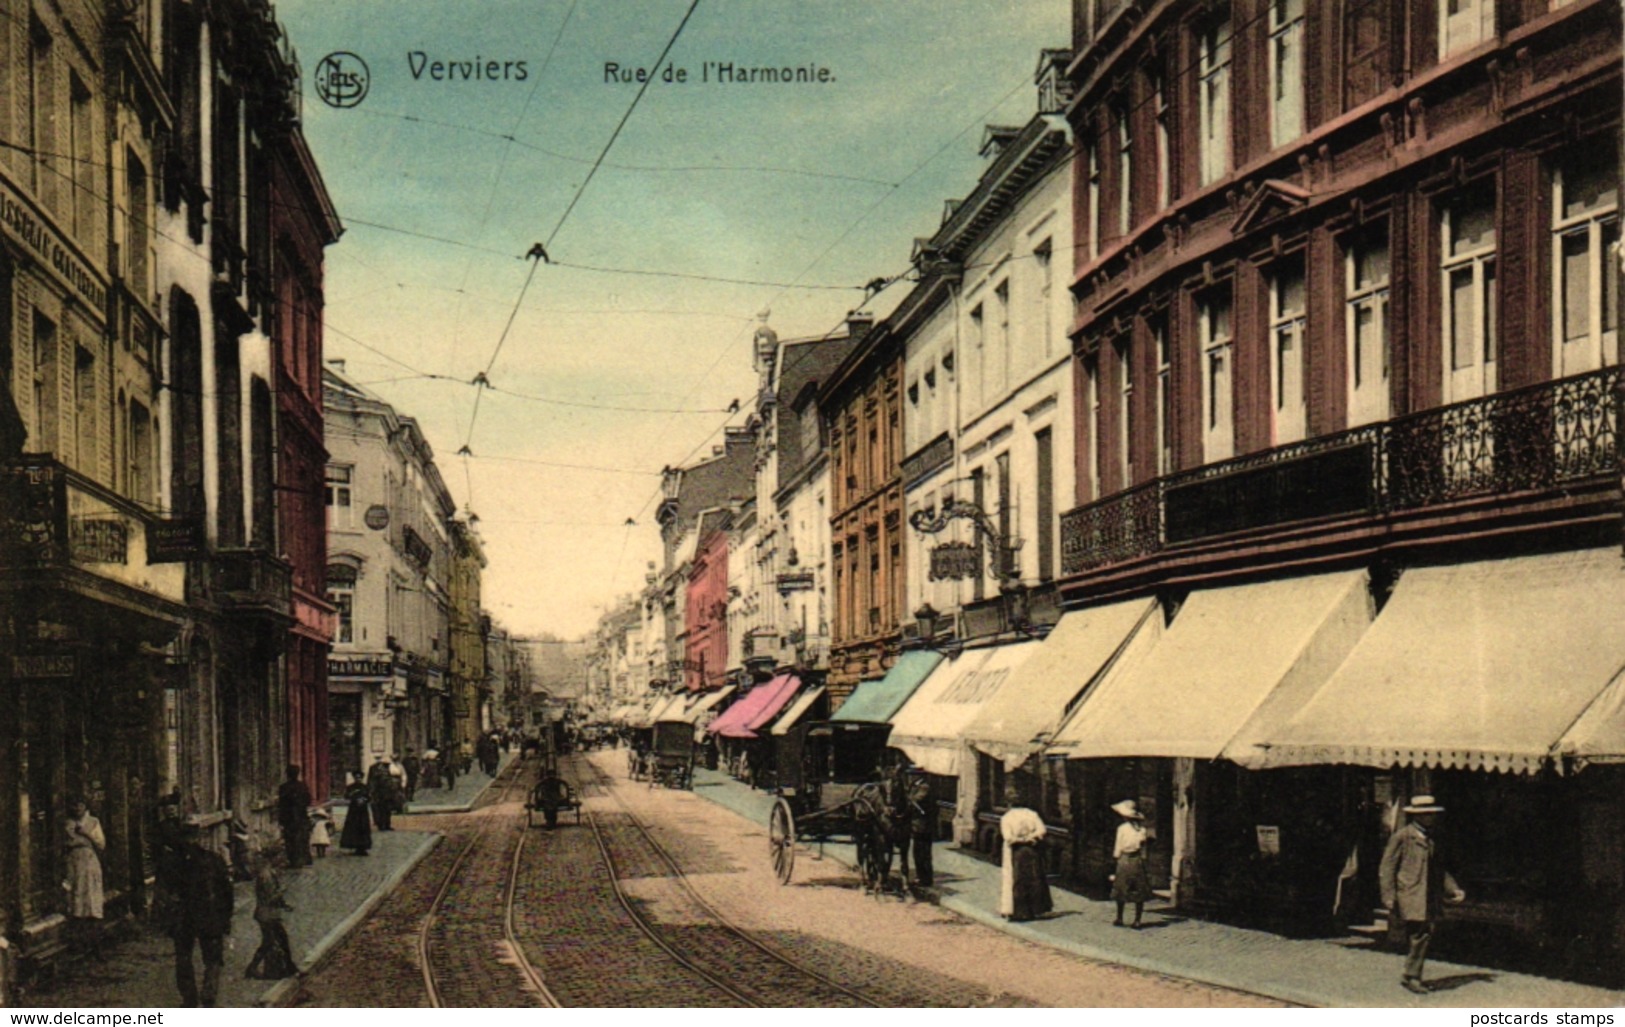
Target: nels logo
[{"x": 342, "y": 79}]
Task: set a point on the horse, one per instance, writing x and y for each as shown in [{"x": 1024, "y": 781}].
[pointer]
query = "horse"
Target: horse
[{"x": 883, "y": 819}]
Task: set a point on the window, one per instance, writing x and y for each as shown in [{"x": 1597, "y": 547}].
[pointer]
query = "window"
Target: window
[
  {"x": 1091, "y": 374},
  {"x": 84, "y": 167},
  {"x": 1464, "y": 24},
  {"x": 1125, "y": 411},
  {"x": 341, "y": 582},
  {"x": 977, "y": 341},
  {"x": 1007, "y": 510},
  {"x": 84, "y": 411},
  {"x": 1367, "y": 330},
  {"x": 1286, "y": 71},
  {"x": 1125, "y": 171},
  {"x": 1165, "y": 404},
  {"x": 41, "y": 107},
  {"x": 978, "y": 496},
  {"x": 43, "y": 437},
  {"x": 136, "y": 242},
  {"x": 1289, "y": 420},
  {"x": 1044, "y": 256},
  {"x": 1001, "y": 341},
  {"x": 1095, "y": 221},
  {"x": 1468, "y": 268},
  {"x": 1585, "y": 238},
  {"x": 340, "y": 481},
  {"x": 1044, "y": 453},
  {"x": 1218, "y": 435},
  {"x": 1213, "y": 114},
  {"x": 1165, "y": 157},
  {"x": 1365, "y": 44}
]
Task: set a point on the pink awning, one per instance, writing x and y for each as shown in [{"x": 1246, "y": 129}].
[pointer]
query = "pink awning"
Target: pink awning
[{"x": 759, "y": 706}]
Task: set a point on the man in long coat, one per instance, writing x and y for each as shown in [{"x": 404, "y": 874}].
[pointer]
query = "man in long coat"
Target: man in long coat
[
  {"x": 1415, "y": 885},
  {"x": 201, "y": 916},
  {"x": 381, "y": 792},
  {"x": 293, "y": 814}
]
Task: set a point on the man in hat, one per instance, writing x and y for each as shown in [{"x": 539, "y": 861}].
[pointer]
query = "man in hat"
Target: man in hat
[
  {"x": 197, "y": 877},
  {"x": 1415, "y": 884}
]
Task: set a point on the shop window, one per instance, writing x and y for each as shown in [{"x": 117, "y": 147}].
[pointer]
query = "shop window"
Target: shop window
[
  {"x": 1286, "y": 70},
  {"x": 1585, "y": 240},
  {"x": 1290, "y": 418},
  {"x": 1218, "y": 408},
  {"x": 1213, "y": 106},
  {"x": 1469, "y": 296},
  {"x": 1366, "y": 327}
]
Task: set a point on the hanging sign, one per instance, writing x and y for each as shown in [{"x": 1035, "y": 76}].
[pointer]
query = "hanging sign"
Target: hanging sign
[{"x": 955, "y": 561}]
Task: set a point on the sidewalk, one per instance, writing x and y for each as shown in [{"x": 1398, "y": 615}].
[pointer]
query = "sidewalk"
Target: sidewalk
[
  {"x": 1317, "y": 972},
  {"x": 460, "y": 799},
  {"x": 328, "y": 900}
]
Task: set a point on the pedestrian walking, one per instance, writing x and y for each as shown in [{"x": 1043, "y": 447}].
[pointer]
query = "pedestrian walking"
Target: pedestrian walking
[
  {"x": 1415, "y": 884},
  {"x": 413, "y": 767},
  {"x": 449, "y": 766},
  {"x": 381, "y": 793},
  {"x": 357, "y": 834},
  {"x": 429, "y": 769},
  {"x": 1130, "y": 883},
  {"x": 1024, "y": 892},
  {"x": 293, "y": 816},
  {"x": 273, "y": 960},
  {"x": 85, "y": 844},
  {"x": 201, "y": 916}
]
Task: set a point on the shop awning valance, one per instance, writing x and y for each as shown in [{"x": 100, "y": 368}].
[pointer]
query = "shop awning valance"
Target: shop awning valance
[
  {"x": 759, "y": 706},
  {"x": 1023, "y": 716},
  {"x": 798, "y": 709},
  {"x": 1495, "y": 665},
  {"x": 876, "y": 702},
  {"x": 1234, "y": 661},
  {"x": 668, "y": 708},
  {"x": 930, "y": 728}
]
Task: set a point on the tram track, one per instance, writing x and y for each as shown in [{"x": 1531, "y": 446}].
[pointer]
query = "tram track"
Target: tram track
[
  {"x": 454, "y": 950},
  {"x": 749, "y": 969}
]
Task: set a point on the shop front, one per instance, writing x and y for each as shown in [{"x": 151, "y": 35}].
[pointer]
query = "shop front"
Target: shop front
[
  {"x": 1170, "y": 729},
  {"x": 1495, "y": 686},
  {"x": 361, "y": 689}
]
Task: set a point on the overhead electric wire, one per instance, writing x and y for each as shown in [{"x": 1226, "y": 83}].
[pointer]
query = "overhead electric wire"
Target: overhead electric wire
[{"x": 539, "y": 253}]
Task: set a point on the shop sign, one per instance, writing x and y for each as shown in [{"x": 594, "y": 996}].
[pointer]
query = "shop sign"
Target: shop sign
[
  {"x": 376, "y": 517},
  {"x": 99, "y": 540},
  {"x": 461, "y": 711},
  {"x": 175, "y": 541},
  {"x": 49, "y": 248},
  {"x": 397, "y": 702},
  {"x": 43, "y": 665},
  {"x": 360, "y": 668},
  {"x": 955, "y": 561}
]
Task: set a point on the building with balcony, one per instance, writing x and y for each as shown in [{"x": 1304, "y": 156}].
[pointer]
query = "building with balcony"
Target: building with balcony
[
  {"x": 1346, "y": 329},
  {"x": 470, "y": 688},
  {"x": 389, "y": 574}
]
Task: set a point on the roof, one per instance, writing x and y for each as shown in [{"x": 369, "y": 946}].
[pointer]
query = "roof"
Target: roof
[{"x": 804, "y": 365}]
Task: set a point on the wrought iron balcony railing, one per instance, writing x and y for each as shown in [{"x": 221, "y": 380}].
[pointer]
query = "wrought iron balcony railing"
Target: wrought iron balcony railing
[
  {"x": 251, "y": 581},
  {"x": 1539, "y": 437}
]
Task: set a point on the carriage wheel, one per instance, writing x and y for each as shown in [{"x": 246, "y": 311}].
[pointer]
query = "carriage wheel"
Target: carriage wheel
[{"x": 781, "y": 838}]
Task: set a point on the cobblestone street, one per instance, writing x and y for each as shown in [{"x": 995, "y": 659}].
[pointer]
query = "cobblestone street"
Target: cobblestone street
[{"x": 725, "y": 917}]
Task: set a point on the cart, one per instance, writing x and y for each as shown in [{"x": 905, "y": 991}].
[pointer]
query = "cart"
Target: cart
[
  {"x": 831, "y": 788},
  {"x": 671, "y": 754}
]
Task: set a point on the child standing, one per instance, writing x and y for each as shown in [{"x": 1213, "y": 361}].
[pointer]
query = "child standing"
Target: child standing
[{"x": 321, "y": 831}]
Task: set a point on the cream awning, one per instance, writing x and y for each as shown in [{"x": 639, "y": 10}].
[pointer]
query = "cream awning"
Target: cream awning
[
  {"x": 1087, "y": 644},
  {"x": 1234, "y": 661},
  {"x": 1599, "y": 735},
  {"x": 1484, "y": 666},
  {"x": 930, "y": 728},
  {"x": 706, "y": 703},
  {"x": 796, "y": 710},
  {"x": 668, "y": 708}
]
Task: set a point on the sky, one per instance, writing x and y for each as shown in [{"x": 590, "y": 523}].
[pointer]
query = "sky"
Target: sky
[{"x": 744, "y": 197}]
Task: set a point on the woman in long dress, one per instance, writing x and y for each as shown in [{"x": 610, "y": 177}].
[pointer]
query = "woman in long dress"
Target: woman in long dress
[
  {"x": 85, "y": 842},
  {"x": 1131, "y": 883},
  {"x": 1024, "y": 892},
  {"x": 357, "y": 834}
]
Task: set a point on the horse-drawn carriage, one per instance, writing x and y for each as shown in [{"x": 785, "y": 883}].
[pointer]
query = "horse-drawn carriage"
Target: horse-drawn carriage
[
  {"x": 671, "y": 754},
  {"x": 639, "y": 743},
  {"x": 833, "y": 787}
]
